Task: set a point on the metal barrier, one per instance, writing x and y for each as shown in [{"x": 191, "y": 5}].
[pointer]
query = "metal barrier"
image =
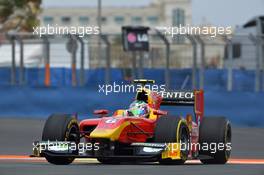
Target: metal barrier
[{"x": 81, "y": 53}]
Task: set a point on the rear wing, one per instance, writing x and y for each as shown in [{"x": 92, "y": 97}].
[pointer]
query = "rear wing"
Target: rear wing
[{"x": 186, "y": 98}]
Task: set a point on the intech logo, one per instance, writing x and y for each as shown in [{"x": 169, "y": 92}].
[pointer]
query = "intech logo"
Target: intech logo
[{"x": 177, "y": 95}]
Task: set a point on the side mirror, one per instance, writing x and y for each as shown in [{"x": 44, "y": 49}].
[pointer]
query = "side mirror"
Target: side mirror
[
  {"x": 101, "y": 112},
  {"x": 160, "y": 112}
]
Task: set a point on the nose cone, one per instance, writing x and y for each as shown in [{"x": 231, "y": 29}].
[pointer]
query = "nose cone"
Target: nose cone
[{"x": 109, "y": 128}]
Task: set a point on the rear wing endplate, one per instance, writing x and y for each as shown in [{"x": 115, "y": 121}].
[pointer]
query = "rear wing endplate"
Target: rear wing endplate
[{"x": 185, "y": 98}]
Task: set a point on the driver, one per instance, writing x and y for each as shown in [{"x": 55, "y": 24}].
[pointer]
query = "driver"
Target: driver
[{"x": 138, "y": 109}]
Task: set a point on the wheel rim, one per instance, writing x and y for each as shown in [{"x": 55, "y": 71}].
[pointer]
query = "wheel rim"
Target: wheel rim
[
  {"x": 184, "y": 141},
  {"x": 73, "y": 134}
]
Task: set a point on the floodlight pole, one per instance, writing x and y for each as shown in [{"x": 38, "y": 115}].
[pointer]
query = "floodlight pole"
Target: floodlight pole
[
  {"x": 257, "y": 70},
  {"x": 230, "y": 66},
  {"x": 202, "y": 65},
  {"x": 21, "y": 65},
  {"x": 167, "y": 70},
  {"x": 108, "y": 58},
  {"x": 99, "y": 23},
  {"x": 261, "y": 49},
  {"x": 13, "y": 67},
  {"x": 194, "y": 65},
  {"x": 99, "y": 15}
]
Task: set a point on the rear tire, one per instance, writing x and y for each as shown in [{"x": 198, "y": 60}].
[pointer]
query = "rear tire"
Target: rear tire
[
  {"x": 166, "y": 132},
  {"x": 215, "y": 130},
  {"x": 60, "y": 127}
]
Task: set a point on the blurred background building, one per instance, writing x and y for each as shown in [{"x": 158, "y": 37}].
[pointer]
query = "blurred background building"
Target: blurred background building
[{"x": 157, "y": 13}]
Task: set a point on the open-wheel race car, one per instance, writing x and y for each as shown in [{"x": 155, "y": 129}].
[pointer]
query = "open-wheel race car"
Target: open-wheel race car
[{"x": 142, "y": 132}]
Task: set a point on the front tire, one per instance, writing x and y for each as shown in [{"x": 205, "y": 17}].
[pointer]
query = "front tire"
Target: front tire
[
  {"x": 60, "y": 127},
  {"x": 170, "y": 129},
  {"x": 215, "y": 130}
]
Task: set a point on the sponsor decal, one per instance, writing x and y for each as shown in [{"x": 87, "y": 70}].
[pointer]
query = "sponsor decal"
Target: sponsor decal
[
  {"x": 112, "y": 120},
  {"x": 161, "y": 145},
  {"x": 151, "y": 150},
  {"x": 135, "y": 38},
  {"x": 131, "y": 37},
  {"x": 177, "y": 95}
]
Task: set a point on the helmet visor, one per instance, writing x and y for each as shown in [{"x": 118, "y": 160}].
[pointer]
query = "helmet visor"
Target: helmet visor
[{"x": 136, "y": 111}]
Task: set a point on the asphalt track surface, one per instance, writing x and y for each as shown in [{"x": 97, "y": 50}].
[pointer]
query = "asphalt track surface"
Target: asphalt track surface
[{"x": 17, "y": 135}]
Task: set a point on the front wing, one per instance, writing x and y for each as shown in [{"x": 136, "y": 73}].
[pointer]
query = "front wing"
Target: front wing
[{"x": 140, "y": 151}]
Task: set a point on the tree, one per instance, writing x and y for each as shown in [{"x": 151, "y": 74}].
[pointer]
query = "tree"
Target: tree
[{"x": 19, "y": 15}]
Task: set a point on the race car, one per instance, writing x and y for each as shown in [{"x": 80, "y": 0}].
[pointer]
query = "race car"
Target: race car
[{"x": 141, "y": 132}]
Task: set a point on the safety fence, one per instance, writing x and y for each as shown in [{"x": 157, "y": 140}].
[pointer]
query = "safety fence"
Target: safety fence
[{"x": 199, "y": 54}]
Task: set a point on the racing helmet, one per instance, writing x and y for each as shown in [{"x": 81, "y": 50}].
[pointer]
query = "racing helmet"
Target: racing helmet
[{"x": 139, "y": 108}]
